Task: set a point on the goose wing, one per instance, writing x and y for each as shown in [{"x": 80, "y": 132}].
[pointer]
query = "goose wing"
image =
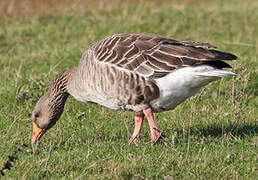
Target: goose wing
[{"x": 155, "y": 56}]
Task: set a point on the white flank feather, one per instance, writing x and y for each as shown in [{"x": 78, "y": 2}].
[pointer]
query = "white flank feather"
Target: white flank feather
[{"x": 184, "y": 83}]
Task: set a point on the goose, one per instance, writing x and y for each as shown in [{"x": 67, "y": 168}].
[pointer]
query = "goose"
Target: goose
[{"x": 140, "y": 72}]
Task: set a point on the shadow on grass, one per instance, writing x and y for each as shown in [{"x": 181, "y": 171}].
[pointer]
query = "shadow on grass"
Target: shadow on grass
[{"x": 217, "y": 130}]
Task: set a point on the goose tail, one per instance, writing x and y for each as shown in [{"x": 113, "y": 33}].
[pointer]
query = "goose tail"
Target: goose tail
[{"x": 216, "y": 73}]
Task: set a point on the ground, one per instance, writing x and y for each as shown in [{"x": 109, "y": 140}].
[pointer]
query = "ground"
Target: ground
[{"x": 210, "y": 136}]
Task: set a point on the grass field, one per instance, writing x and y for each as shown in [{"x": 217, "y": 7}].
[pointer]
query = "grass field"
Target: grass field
[{"x": 210, "y": 136}]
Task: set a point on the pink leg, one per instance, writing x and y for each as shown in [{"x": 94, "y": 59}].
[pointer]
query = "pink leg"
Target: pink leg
[
  {"x": 155, "y": 132},
  {"x": 137, "y": 127}
]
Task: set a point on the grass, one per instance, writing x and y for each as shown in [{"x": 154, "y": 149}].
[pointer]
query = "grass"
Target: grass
[{"x": 210, "y": 136}]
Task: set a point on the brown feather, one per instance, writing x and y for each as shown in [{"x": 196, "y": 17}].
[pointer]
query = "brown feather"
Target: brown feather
[{"x": 159, "y": 54}]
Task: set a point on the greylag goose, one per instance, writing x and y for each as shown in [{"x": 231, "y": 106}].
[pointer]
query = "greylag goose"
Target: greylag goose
[{"x": 139, "y": 72}]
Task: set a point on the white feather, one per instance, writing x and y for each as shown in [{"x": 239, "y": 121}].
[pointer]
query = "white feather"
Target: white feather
[{"x": 183, "y": 83}]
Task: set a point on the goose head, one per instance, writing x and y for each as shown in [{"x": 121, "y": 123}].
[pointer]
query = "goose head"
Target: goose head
[{"x": 44, "y": 117}]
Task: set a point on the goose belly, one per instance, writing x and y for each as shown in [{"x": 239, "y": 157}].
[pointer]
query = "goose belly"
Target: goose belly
[{"x": 170, "y": 98}]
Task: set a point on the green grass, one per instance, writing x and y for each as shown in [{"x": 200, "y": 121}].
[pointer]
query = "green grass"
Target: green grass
[{"x": 210, "y": 136}]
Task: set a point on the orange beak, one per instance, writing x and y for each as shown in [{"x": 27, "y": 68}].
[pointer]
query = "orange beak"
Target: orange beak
[{"x": 37, "y": 133}]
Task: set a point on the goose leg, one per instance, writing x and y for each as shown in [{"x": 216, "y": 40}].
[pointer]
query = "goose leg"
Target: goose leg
[
  {"x": 137, "y": 127},
  {"x": 155, "y": 132}
]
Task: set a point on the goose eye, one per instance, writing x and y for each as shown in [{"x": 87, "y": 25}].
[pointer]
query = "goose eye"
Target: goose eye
[{"x": 37, "y": 115}]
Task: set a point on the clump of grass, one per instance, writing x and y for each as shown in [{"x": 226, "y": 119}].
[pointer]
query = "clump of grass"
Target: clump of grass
[{"x": 12, "y": 158}]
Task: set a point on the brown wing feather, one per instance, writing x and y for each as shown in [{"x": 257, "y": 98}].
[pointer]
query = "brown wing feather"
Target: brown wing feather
[{"x": 155, "y": 56}]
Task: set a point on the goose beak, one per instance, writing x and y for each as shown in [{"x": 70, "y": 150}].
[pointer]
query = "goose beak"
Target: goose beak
[{"x": 37, "y": 133}]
